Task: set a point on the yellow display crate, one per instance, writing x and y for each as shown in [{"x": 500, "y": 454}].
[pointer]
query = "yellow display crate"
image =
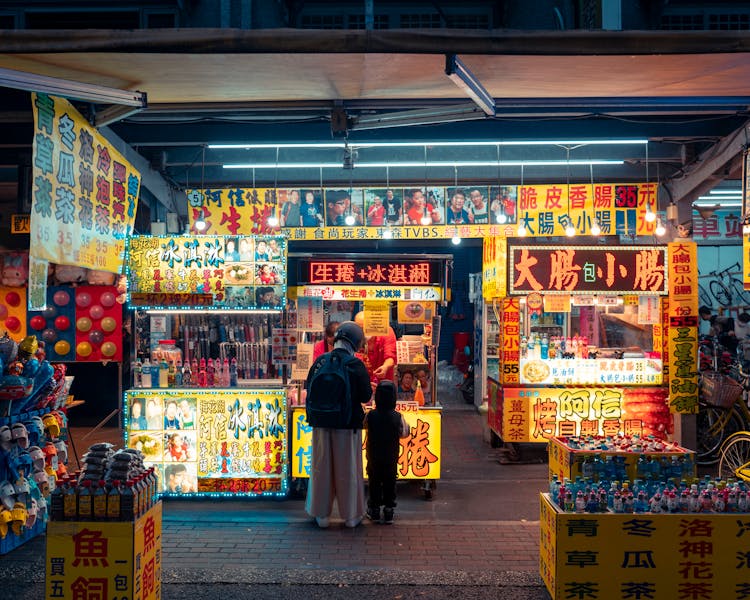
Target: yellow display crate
[
  {"x": 105, "y": 559},
  {"x": 654, "y": 556},
  {"x": 566, "y": 462}
]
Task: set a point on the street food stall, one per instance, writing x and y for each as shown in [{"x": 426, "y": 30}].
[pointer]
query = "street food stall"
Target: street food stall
[
  {"x": 389, "y": 289},
  {"x": 208, "y": 407}
]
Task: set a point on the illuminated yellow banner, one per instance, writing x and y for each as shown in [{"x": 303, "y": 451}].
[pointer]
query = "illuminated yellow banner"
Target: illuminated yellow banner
[
  {"x": 95, "y": 559},
  {"x": 536, "y": 414},
  {"x": 204, "y": 440},
  {"x": 510, "y": 332},
  {"x": 323, "y": 214},
  {"x": 415, "y": 312},
  {"x": 682, "y": 330},
  {"x": 205, "y": 270},
  {"x": 85, "y": 193},
  {"x": 598, "y": 555},
  {"x": 370, "y": 292},
  {"x": 419, "y": 457}
]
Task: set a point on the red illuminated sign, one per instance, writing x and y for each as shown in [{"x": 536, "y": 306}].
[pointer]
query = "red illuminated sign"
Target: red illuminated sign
[
  {"x": 635, "y": 269},
  {"x": 370, "y": 272}
]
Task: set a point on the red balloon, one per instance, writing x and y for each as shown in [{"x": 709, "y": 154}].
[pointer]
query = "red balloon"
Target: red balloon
[
  {"x": 13, "y": 323},
  {"x": 62, "y": 322},
  {"x": 13, "y": 298},
  {"x": 38, "y": 322}
]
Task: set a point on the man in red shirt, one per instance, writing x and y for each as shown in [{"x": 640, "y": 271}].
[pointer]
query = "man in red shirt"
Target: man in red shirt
[{"x": 379, "y": 353}]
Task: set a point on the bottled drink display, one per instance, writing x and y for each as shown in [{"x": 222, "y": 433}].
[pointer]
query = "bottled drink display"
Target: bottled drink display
[
  {"x": 207, "y": 352},
  {"x": 112, "y": 486}
]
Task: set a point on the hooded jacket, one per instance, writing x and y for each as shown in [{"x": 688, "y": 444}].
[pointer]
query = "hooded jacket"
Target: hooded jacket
[{"x": 385, "y": 426}]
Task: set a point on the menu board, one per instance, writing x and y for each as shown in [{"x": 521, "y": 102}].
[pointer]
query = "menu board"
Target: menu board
[
  {"x": 242, "y": 272},
  {"x": 203, "y": 440}
]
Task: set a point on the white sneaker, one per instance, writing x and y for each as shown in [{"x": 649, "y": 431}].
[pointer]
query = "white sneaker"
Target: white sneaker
[
  {"x": 322, "y": 522},
  {"x": 352, "y": 523}
]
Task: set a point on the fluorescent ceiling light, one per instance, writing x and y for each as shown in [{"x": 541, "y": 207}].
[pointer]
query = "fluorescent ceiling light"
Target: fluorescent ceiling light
[
  {"x": 432, "y": 144},
  {"x": 726, "y": 191},
  {"x": 716, "y": 203},
  {"x": 418, "y": 164}
]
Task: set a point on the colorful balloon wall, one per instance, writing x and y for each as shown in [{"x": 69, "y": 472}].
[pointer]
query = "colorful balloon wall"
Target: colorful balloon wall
[
  {"x": 13, "y": 312},
  {"x": 55, "y": 324},
  {"x": 81, "y": 323}
]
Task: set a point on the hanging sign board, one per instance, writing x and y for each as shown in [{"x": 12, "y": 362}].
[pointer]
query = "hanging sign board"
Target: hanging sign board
[
  {"x": 559, "y": 303},
  {"x": 649, "y": 310},
  {"x": 377, "y": 318},
  {"x": 310, "y": 313},
  {"x": 415, "y": 312},
  {"x": 370, "y": 272},
  {"x": 247, "y": 272},
  {"x": 633, "y": 269},
  {"x": 85, "y": 192}
]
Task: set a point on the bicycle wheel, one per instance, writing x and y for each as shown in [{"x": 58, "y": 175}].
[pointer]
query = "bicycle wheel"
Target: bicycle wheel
[
  {"x": 739, "y": 291},
  {"x": 735, "y": 456},
  {"x": 714, "y": 425},
  {"x": 721, "y": 293},
  {"x": 704, "y": 297}
]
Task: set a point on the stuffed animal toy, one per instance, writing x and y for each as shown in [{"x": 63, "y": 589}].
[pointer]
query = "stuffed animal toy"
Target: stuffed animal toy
[{"x": 15, "y": 269}]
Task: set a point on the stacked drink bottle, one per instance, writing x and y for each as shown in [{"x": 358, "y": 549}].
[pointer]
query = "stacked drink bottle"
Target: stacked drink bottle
[{"x": 653, "y": 496}]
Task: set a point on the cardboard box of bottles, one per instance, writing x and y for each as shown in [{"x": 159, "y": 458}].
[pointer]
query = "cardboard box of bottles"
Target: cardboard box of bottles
[
  {"x": 105, "y": 559},
  {"x": 596, "y": 555},
  {"x": 566, "y": 462}
]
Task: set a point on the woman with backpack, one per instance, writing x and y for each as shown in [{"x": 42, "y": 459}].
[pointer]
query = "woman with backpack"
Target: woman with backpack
[{"x": 337, "y": 386}]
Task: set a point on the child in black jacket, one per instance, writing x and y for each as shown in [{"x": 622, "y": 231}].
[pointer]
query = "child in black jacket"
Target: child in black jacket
[{"x": 385, "y": 425}]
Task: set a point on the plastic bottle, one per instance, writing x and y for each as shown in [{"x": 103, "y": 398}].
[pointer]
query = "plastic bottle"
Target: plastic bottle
[
  {"x": 580, "y": 502},
  {"x": 163, "y": 373},
  {"x": 56, "y": 501},
  {"x": 523, "y": 347},
  {"x": 178, "y": 374},
  {"x": 544, "y": 348},
  {"x": 70, "y": 501},
  {"x": 418, "y": 394},
  {"x": 137, "y": 374},
  {"x": 100, "y": 501},
  {"x": 171, "y": 374},
  {"x": 146, "y": 373},
  {"x": 127, "y": 501},
  {"x": 187, "y": 376},
  {"x": 155, "y": 374},
  {"x": 202, "y": 375},
  {"x": 85, "y": 506},
  {"x": 210, "y": 374},
  {"x": 113, "y": 501},
  {"x": 233, "y": 373},
  {"x": 531, "y": 347}
]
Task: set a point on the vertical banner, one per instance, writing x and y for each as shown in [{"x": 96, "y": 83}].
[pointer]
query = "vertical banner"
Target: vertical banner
[
  {"x": 488, "y": 269},
  {"x": 84, "y": 192},
  {"x": 501, "y": 267},
  {"x": 37, "y": 298},
  {"x": 682, "y": 332},
  {"x": 510, "y": 330}
]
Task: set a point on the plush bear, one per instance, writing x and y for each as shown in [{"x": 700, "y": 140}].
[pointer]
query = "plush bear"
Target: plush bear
[{"x": 15, "y": 269}]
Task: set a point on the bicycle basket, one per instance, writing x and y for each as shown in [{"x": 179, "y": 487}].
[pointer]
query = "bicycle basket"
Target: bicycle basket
[{"x": 719, "y": 390}]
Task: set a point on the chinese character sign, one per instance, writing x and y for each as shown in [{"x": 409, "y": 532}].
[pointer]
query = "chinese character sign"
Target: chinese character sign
[
  {"x": 510, "y": 337},
  {"x": 412, "y": 214},
  {"x": 682, "y": 331},
  {"x": 212, "y": 440},
  {"x": 419, "y": 456},
  {"x": 373, "y": 272},
  {"x": 228, "y": 271},
  {"x": 633, "y": 269},
  {"x": 84, "y": 192}
]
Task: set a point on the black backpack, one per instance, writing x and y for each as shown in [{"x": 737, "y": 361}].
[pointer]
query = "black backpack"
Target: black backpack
[{"x": 329, "y": 392}]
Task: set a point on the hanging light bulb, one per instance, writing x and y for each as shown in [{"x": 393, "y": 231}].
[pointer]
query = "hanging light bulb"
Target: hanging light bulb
[
  {"x": 350, "y": 220},
  {"x": 650, "y": 214},
  {"x": 521, "y": 230},
  {"x": 660, "y": 229},
  {"x": 502, "y": 218},
  {"x": 456, "y": 240},
  {"x": 425, "y": 220},
  {"x": 387, "y": 233},
  {"x": 200, "y": 223},
  {"x": 273, "y": 221},
  {"x": 570, "y": 231},
  {"x": 595, "y": 229}
]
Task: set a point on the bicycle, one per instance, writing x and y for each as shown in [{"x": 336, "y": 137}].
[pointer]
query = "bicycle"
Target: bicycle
[
  {"x": 724, "y": 292},
  {"x": 723, "y": 411},
  {"x": 735, "y": 456}
]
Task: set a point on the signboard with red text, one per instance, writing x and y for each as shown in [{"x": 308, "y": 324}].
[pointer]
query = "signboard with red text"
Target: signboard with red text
[{"x": 591, "y": 269}]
